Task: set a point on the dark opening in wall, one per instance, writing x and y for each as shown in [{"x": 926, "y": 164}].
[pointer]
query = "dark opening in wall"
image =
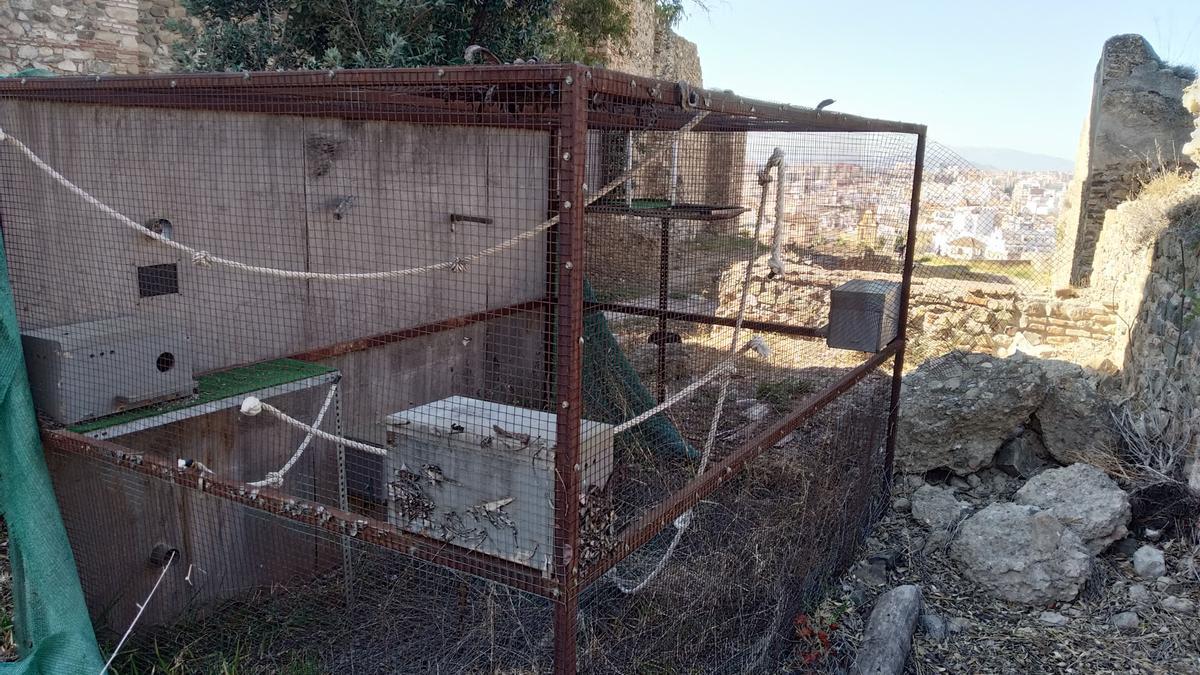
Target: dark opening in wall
[{"x": 157, "y": 280}]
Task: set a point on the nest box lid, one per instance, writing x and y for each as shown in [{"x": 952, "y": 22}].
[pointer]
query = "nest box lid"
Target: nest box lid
[{"x": 474, "y": 421}]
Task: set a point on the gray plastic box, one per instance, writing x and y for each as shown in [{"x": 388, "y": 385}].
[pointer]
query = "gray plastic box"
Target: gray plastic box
[
  {"x": 481, "y": 475},
  {"x": 87, "y": 370},
  {"x": 864, "y": 315}
]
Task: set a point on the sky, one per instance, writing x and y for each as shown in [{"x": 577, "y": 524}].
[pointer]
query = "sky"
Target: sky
[{"x": 994, "y": 73}]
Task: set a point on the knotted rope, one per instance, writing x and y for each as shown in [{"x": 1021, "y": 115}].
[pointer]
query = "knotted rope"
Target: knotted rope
[
  {"x": 275, "y": 478},
  {"x": 253, "y": 406}
]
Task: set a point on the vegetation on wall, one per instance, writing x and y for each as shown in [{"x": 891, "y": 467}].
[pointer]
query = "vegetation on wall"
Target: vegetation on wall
[{"x": 223, "y": 35}]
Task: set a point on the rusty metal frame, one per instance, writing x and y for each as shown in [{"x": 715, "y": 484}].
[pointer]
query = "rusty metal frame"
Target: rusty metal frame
[
  {"x": 905, "y": 294},
  {"x": 569, "y": 365},
  {"x": 364, "y": 94},
  {"x": 362, "y": 344},
  {"x": 566, "y": 100},
  {"x": 318, "y": 516},
  {"x": 707, "y": 319}
]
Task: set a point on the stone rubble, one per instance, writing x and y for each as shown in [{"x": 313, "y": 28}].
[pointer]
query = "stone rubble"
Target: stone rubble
[
  {"x": 937, "y": 508},
  {"x": 946, "y": 424},
  {"x": 1022, "y": 554},
  {"x": 1148, "y": 562},
  {"x": 1084, "y": 499},
  {"x": 1126, "y": 622}
]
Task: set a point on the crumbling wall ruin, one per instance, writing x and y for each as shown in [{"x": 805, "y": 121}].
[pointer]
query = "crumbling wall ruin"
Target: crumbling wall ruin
[
  {"x": 945, "y": 314},
  {"x": 1136, "y": 126}
]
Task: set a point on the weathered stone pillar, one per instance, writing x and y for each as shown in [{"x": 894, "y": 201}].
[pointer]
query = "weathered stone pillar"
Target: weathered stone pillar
[{"x": 1136, "y": 126}]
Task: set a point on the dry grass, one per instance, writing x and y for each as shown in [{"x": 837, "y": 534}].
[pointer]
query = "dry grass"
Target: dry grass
[
  {"x": 1159, "y": 195},
  {"x": 8, "y": 649}
]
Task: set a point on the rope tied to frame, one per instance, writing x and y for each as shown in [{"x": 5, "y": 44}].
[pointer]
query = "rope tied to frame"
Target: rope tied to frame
[
  {"x": 275, "y": 478},
  {"x": 252, "y": 406},
  {"x": 205, "y": 259}
]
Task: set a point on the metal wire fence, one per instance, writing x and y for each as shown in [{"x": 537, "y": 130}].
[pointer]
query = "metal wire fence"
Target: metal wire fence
[{"x": 498, "y": 369}]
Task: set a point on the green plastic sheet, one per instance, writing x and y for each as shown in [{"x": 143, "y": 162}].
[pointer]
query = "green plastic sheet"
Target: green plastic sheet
[{"x": 50, "y": 624}]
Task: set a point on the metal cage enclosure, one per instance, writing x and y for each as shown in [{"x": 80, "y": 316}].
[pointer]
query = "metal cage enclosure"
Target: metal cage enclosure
[{"x": 540, "y": 317}]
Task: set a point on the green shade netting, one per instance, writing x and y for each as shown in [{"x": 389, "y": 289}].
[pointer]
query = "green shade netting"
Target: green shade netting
[
  {"x": 613, "y": 392},
  {"x": 50, "y": 623}
]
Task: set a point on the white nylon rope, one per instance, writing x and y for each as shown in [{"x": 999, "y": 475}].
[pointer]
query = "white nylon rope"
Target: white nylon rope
[
  {"x": 685, "y": 519},
  {"x": 275, "y": 478},
  {"x": 252, "y": 406},
  {"x": 141, "y": 608},
  {"x": 203, "y": 258},
  {"x": 776, "y": 263}
]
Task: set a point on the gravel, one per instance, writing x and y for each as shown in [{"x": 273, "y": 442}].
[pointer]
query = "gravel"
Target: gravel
[
  {"x": 986, "y": 635},
  {"x": 1126, "y": 622}
]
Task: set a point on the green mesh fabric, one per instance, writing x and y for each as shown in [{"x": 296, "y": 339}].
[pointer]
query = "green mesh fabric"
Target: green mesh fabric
[
  {"x": 51, "y": 625},
  {"x": 613, "y": 392}
]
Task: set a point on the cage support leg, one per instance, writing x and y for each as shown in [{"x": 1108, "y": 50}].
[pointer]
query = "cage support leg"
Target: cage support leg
[
  {"x": 343, "y": 503},
  {"x": 664, "y": 294},
  {"x": 566, "y": 611}
]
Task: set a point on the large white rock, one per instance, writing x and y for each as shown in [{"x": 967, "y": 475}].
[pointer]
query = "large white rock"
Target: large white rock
[
  {"x": 956, "y": 410},
  {"x": 1022, "y": 554},
  {"x": 1084, "y": 499}
]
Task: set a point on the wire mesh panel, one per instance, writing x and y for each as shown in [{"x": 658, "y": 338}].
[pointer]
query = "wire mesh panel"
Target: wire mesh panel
[{"x": 391, "y": 369}]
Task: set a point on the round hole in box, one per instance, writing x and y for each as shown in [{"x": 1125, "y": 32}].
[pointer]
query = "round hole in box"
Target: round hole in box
[
  {"x": 161, "y": 226},
  {"x": 165, "y": 362}
]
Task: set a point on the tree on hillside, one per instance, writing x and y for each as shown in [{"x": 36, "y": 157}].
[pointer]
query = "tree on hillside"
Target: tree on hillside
[{"x": 224, "y": 35}]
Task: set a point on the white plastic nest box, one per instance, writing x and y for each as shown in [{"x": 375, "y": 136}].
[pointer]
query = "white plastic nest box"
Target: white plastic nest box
[{"x": 481, "y": 475}]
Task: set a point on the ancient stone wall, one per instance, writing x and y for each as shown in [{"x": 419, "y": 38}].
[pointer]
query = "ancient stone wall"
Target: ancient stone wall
[
  {"x": 945, "y": 314},
  {"x": 154, "y": 37},
  {"x": 1135, "y": 127},
  {"x": 74, "y": 37},
  {"x": 1148, "y": 265}
]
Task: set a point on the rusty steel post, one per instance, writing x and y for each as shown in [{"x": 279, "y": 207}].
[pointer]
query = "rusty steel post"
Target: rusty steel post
[
  {"x": 905, "y": 292},
  {"x": 568, "y": 388},
  {"x": 664, "y": 282}
]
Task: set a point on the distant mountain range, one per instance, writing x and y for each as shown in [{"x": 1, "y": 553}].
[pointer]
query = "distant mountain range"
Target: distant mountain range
[{"x": 1006, "y": 159}]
